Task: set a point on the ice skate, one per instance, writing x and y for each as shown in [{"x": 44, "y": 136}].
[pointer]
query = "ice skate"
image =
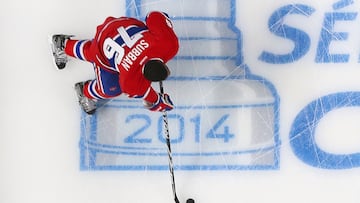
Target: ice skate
[
  {"x": 57, "y": 46},
  {"x": 87, "y": 104}
]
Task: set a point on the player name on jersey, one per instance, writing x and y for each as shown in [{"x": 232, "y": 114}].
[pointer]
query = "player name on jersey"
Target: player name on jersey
[{"x": 128, "y": 60}]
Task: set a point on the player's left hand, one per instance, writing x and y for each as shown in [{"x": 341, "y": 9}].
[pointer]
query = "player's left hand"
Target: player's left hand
[{"x": 163, "y": 103}]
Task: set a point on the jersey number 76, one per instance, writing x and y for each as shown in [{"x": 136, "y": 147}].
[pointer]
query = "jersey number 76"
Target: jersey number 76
[{"x": 114, "y": 50}]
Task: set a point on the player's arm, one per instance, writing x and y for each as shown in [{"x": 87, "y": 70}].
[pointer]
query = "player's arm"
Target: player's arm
[
  {"x": 159, "y": 22},
  {"x": 160, "y": 26}
]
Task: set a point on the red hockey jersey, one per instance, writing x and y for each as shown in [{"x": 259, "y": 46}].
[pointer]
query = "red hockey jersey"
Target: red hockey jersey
[{"x": 125, "y": 44}]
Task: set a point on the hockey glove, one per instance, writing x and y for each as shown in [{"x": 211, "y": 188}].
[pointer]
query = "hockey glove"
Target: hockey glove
[{"x": 163, "y": 104}]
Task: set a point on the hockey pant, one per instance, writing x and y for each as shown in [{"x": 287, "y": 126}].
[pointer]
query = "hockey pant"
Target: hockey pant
[{"x": 106, "y": 83}]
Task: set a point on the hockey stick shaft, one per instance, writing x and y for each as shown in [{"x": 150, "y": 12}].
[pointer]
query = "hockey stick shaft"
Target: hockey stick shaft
[{"x": 167, "y": 137}]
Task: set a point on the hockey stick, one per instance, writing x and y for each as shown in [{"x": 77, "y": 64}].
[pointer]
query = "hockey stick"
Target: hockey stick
[
  {"x": 167, "y": 137},
  {"x": 171, "y": 165}
]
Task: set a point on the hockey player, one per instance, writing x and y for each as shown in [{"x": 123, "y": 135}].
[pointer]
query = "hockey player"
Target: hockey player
[{"x": 127, "y": 55}]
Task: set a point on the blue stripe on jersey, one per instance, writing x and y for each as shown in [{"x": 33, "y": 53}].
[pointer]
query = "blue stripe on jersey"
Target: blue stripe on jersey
[
  {"x": 112, "y": 62},
  {"x": 93, "y": 91},
  {"x": 78, "y": 49},
  {"x": 131, "y": 32}
]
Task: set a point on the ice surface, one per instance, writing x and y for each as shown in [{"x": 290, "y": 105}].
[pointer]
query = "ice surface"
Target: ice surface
[{"x": 248, "y": 105}]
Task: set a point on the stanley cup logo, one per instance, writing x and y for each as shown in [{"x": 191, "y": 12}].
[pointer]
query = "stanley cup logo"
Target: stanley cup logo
[{"x": 225, "y": 118}]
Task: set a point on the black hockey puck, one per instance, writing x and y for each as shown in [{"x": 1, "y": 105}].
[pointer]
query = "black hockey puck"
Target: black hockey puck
[{"x": 190, "y": 201}]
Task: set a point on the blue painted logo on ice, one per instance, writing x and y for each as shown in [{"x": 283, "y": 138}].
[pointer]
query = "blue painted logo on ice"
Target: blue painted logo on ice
[
  {"x": 319, "y": 39},
  {"x": 224, "y": 117}
]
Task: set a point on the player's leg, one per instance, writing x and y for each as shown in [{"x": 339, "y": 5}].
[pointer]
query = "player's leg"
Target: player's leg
[
  {"x": 94, "y": 92},
  {"x": 79, "y": 49}
]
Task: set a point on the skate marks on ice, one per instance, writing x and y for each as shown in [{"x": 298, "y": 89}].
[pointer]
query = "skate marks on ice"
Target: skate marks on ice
[{"x": 225, "y": 118}]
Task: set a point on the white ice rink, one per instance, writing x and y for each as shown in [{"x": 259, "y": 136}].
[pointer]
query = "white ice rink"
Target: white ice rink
[{"x": 300, "y": 58}]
